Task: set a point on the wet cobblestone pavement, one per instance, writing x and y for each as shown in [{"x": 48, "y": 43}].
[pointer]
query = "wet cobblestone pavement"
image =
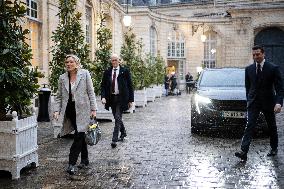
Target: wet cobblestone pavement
[{"x": 159, "y": 152}]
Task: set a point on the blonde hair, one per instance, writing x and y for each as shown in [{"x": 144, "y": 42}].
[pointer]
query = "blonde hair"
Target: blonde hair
[{"x": 76, "y": 59}]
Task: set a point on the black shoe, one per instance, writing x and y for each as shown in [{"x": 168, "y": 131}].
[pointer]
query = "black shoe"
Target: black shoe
[
  {"x": 122, "y": 136},
  {"x": 242, "y": 155},
  {"x": 71, "y": 169},
  {"x": 113, "y": 144},
  {"x": 84, "y": 163},
  {"x": 272, "y": 153}
]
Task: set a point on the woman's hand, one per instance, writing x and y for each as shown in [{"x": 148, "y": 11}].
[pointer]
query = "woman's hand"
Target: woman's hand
[
  {"x": 103, "y": 100},
  {"x": 93, "y": 113},
  {"x": 56, "y": 115}
]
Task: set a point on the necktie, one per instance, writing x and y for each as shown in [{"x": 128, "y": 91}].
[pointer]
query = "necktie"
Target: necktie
[
  {"x": 258, "y": 73},
  {"x": 258, "y": 69},
  {"x": 113, "y": 81}
]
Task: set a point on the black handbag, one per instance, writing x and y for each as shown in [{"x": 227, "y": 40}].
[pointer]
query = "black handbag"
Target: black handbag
[{"x": 94, "y": 133}]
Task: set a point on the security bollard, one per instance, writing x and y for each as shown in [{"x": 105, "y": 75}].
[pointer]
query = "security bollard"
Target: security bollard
[{"x": 44, "y": 96}]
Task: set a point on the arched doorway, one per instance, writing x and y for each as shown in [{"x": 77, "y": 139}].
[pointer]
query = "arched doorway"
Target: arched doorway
[{"x": 272, "y": 39}]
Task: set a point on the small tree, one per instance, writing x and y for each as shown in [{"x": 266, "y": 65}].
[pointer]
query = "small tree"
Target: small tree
[
  {"x": 151, "y": 70},
  {"x": 131, "y": 53},
  {"x": 159, "y": 70},
  {"x": 102, "y": 54},
  {"x": 68, "y": 38},
  {"x": 18, "y": 80},
  {"x": 155, "y": 70}
]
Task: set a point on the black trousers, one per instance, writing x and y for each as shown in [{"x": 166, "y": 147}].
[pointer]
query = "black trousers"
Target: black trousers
[
  {"x": 79, "y": 145},
  {"x": 188, "y": 88},
  {"x": 117, "y": 114},
  {"x": 253, "y": 113}
]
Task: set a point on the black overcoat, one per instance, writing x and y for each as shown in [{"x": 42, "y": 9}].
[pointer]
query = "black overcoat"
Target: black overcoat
[
  {"x": 268, "y": 91},
  {"x": 125, "y": 87}
]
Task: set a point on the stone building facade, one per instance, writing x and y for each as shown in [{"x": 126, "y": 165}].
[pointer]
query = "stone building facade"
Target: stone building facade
[
  {"x": 173, "y": 29},
  {"x": 231, "y": 28}
]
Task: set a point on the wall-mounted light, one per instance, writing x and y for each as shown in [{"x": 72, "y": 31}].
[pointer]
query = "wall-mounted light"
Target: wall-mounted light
[
  {"x": 195, "y": 29},
  {"x": 127, "y": 18},
  {"x": 203, "y": 38}
]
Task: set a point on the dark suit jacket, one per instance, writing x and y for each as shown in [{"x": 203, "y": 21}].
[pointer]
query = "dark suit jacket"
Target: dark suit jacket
[
  {"x": 125, "y": 87},
  {"x": 267, "y": 92}
]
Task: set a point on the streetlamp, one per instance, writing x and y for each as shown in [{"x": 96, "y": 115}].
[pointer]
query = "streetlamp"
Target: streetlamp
[{"x": 127, "y": 18}]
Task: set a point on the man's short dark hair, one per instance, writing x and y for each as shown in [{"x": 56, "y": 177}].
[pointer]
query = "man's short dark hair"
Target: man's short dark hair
[{"x": 256, "y": 47}]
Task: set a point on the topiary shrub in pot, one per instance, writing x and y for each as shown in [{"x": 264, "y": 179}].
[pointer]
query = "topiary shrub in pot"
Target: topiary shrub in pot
[{"x": 18, "y": 85}]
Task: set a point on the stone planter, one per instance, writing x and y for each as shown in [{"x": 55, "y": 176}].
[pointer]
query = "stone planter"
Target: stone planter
[
  {"x": 102, "y": 113},
  {"x": 151, "y": 94},
  {"x": 18, "y": 144},
  {"x": 140, "y": 98},
  {"x": 158, "y": 91}
]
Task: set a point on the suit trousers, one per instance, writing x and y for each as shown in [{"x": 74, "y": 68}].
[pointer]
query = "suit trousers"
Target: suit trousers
[
  {"x": 79, "y": 145},
  {"x": 253, "y": 114},
  {"x": 117, "y": 114}
]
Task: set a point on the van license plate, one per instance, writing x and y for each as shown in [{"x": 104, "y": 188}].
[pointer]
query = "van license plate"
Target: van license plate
[{"x": 233, "y": 114}]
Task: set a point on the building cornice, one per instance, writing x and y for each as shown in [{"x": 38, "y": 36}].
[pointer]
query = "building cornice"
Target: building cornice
[{"x": 145, "y": 11}]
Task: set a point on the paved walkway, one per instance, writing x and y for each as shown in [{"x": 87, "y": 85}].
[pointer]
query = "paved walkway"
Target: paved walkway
[{"x": 159, "y": 152}]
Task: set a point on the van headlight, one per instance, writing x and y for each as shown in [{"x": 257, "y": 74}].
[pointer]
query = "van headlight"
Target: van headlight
[{"x": 201, "y": 100}]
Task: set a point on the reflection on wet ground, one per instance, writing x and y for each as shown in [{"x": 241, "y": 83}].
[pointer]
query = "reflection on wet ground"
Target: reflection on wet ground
[{"x": 159, "y": 152}]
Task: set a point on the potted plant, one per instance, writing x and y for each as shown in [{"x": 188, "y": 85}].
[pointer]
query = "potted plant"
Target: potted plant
[
  {"x": 131, "y": 53},
  {"x": 102, "y": 62},
  {"x": 150, "y": 78},
  {"x": 18, "y": 84},
  {"x": 159, "y": 75}
]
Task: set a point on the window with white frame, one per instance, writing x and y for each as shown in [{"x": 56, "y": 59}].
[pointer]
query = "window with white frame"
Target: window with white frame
[
  {"x": 209, "y": 60},
  {"x": 88, "y": 25},
  {"x": 32, "y": 8},
  {"x": 176, "y": 44},
  {"x": 153, "y": 41}
]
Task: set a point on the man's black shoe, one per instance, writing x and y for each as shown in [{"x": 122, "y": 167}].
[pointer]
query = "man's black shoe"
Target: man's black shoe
[
  {"x": 272, "y": 153},
  {"x": 113, "y": 144},
  {"x": 71, "y": 169},
  {"x": 84, "y": 163},
  {"x": 242, "y": 155},
  {"x": 122, "y": 136}
]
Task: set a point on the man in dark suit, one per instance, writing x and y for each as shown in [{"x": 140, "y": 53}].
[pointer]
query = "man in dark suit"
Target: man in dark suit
[
  {"x": 264, "y": 91},
  {"x": 117, "y": 93}
]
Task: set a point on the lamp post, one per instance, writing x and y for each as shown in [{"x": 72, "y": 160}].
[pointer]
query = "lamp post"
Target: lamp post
[{"x": 127, "y": 18}]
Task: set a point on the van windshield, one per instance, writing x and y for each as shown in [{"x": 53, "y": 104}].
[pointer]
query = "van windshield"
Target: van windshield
[{"x": 223, "y": 78}]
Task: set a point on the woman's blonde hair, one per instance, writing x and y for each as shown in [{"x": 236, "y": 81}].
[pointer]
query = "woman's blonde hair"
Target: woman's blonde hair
[{"x": 76, "y": 59}]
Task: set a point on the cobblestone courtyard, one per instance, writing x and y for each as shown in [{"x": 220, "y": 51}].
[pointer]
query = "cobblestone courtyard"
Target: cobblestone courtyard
[{"x": 159, "y": 152}]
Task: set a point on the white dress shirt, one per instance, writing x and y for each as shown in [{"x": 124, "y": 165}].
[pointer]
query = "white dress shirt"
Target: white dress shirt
[{"x": 116, "y": 91}]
